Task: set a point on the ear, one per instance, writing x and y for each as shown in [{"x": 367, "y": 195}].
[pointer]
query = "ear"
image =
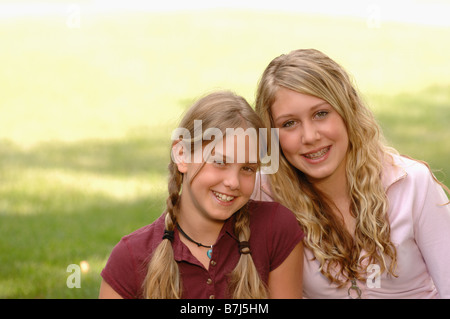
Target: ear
[{"x": 179, "y": 156}]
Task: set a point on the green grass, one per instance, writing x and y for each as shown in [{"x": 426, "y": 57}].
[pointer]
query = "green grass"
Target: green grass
[
  {"x": 86, "y": 116},
  {"x": 64, "y": 203},
  {"x": 418, "y": 125}
]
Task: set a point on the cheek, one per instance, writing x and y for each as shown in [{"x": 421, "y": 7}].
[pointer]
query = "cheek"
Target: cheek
[
  {"x": 340, "y": 134},
  {"x": 288, "y": 142},
  {"x": 346, "y": 141},
  {"x": 334, "y": 130},
  {"x": 247, "y": 183},
  {"x": 205, "y": 176}
]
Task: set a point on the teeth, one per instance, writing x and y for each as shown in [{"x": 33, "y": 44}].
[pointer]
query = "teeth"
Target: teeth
[
  {"x": 317, "y": 154},
  {"x": 223, "y": 197}
]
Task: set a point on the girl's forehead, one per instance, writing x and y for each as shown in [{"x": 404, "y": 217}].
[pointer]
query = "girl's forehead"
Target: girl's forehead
[{"x": 241, "y": 146}]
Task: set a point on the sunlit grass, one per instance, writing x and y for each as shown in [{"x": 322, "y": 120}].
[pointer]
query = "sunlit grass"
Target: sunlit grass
[{"x": 32, "y": 181}]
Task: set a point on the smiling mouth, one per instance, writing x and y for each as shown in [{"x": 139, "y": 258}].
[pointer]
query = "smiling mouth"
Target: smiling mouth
[
  {"x": 317, "y": 155},
  {"x": 223, "y": 197}
]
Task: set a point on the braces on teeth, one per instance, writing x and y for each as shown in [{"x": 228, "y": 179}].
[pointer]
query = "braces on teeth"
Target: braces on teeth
[{"x": 318, "y": 154}]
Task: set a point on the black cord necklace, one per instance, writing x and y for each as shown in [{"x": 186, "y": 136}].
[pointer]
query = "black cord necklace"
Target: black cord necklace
[{"x": 208, "y": 253}]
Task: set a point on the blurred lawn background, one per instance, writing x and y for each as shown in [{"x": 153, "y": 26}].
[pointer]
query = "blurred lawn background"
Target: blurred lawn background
[{"x": 87, "y": 107}]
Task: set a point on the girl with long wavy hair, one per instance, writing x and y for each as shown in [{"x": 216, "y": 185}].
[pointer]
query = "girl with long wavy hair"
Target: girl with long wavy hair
[
  {"x": 376, "y": 224},
  {"x": 211, "y": 241}
]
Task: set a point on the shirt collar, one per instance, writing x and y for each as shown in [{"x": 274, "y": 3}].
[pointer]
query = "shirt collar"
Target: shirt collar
[{"x": 392, "y": 172}]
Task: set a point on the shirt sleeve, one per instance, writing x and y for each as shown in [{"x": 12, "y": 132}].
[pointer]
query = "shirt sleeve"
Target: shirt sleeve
[
  {"x": 120, "y": 271},
  {"x": 285, "y": 233},
  {"x": 432, "y": 228}
]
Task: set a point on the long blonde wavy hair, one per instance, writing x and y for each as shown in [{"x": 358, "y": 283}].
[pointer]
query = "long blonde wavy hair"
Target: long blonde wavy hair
[
  {"x": 311, "y": 72},
  {"x": 220, "y": 110}
]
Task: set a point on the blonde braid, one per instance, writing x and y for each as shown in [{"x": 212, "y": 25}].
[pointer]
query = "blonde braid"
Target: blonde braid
[
  {"x": 245, "y": 282},
  {"x": 163, "y": 279}
]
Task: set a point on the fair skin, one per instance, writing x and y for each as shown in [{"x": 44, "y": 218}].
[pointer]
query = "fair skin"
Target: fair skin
[
  {"x": 314, "y": 139},
  {"x": 212, "y": 193}
]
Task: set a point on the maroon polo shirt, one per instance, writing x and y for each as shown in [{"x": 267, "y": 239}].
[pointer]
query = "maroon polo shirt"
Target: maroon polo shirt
[{"x": 274, "y": 234}]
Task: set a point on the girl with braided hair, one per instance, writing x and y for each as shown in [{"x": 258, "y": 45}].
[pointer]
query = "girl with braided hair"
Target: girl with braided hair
[{"x": 211, "y": 241}]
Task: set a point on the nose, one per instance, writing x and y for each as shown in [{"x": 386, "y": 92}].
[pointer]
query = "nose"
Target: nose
[
  {"x": 231, "y": 180},
  {"x": 310, "y": 134}
]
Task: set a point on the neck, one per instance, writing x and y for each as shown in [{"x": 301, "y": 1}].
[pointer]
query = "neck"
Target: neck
[
  {"x": 336, "y": 189},
  {"x": 194, "y": 221},
  {"x": 204, "y": 235},
  {"x": 334, "y": 186},
  {"x": 199, "y": 229}
]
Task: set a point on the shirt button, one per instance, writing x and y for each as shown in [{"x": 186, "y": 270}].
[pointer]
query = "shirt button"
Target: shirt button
[
  {"x": 212, "y": 297},
  {"x": 209, "y": 281},
  {"x": 213, "y": 263}
]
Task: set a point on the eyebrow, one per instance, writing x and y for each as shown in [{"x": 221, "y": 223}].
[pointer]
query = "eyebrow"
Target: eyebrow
[
  {"x": 312, "y": 108},
  {"x": 229, "y": 159}
]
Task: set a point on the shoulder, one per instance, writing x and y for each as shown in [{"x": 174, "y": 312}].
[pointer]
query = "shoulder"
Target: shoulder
[
  {"x": 132, "y": 251},
  {"x": 146, "y": 238},
  {"x": 400, "y": 168},
  {"x": 272, "y": 215},
  {"x": 275, "y": 230},
  {"x": 126, "y": 266},
  {"x": 259, "y": 209},
  {"x": 411, "y": 166},
  {"x": 415, "y": 186}
]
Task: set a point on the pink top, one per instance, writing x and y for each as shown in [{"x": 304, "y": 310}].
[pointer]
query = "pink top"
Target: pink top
[{"x": 420, "y": 231}]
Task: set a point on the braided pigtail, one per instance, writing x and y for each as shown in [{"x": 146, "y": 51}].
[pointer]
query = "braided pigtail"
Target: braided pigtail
[
  {"x": 163, "y": 276},
  {"x": 245, "y": 282}
]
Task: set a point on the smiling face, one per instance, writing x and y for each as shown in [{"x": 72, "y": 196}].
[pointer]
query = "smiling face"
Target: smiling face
[
  {"x": 213, "y": 191},
  {"x": 313, "y": 136}
]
